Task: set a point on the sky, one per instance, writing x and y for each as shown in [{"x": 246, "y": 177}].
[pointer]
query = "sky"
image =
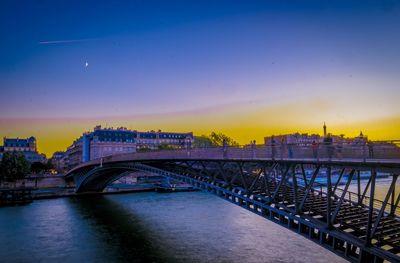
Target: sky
[{"x": 248, "y": 69}]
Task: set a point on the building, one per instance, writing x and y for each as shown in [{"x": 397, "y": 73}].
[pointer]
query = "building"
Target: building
[
  {"x": 306, "y": 139},
  {"x": 295, "y": 138},
  {"x": 152, "y": 140},
  {"x": 26, "y": 146},
  {"x": 73, "y": 154},
  {"x": 59, "y": 160},
  {"x": 103, "y": 142},
  {"x": 20, "y": 145}
]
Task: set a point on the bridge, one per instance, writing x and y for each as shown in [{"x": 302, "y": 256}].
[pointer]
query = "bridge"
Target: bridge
[{"x": 303, "y": 189}]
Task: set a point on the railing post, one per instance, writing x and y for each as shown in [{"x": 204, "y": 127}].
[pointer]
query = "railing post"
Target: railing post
[
  {"x": 303, "y": 172},
  {"x": 382, "y": 211},
  {"x": 267, "y": 177},
  {"x": 394, "y": 208},
  {"x": 309, "y": 187},
  {"x": 338, "y": 181},
  {"x": 295, "y": 197},
  {"x": 365, "y": 190},
  {"x": 358, "y": 187},
  {"x": 283, "y": 178},
  {"x": 392, "y": 198},
  {"x": 329, "y": 199},
  {"x": 368, "y": 236},
  {"x": 339, "y": 203},
  {"x": 393, "y": 202}
]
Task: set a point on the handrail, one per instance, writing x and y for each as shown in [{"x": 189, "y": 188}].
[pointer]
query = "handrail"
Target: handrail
[
  {"x": 356, "y": 154},
  {"x": 354, "y": 198},
  {"x": 331, "y": 151}
]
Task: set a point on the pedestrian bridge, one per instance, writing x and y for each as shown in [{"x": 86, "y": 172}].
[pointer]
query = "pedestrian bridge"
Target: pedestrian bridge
[{"x": 302, "y": 189}]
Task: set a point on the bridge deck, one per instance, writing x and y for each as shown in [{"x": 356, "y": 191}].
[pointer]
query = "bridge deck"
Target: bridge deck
[{"x": 384, "y": 155}]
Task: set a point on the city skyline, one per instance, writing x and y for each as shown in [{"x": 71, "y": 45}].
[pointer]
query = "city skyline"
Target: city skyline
[
  {"x": 262, "y": 141},
  {"x": 245, "y": 69}
]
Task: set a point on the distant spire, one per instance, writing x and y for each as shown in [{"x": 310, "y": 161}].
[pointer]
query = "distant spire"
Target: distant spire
[{"x": 324, "y": 129}]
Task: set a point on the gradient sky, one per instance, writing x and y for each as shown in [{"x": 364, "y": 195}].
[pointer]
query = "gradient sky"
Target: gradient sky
[{"x": 245, "y": 68}]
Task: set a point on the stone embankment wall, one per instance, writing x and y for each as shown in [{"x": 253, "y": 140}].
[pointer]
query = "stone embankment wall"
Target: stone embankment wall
[{"x": 39, "y": 182}]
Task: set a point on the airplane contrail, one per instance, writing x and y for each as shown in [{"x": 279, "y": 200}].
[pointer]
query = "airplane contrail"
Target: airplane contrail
[{"x": 64, "y": 41}]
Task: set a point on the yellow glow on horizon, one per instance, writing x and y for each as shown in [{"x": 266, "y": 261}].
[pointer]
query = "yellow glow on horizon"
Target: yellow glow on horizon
[{"x": 241, "y": 123}]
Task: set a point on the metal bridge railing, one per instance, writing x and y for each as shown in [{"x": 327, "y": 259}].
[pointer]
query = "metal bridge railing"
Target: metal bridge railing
[
  {"x": 363, "y": 152},
  {"x": 365, "y": 201},
  {"x": 352, "y": 197}
]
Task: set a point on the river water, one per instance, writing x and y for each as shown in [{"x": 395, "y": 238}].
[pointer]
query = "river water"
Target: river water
[{"x": 148, "y": 227}]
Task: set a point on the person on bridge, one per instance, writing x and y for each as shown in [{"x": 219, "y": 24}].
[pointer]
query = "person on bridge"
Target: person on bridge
[
  {"x": 330, "y": 148},
  {"x": 253, "y": 149},
  {"x": 224, "y": 148},
  {"x": 188, "y": 148},
  {"x": 290, "y": 150},
  {"x": 282, "y": 147},
  {"x": 339, "y": 149},
  {"x": 314, "y": 147},
  {"x": 370, "y": 149}
]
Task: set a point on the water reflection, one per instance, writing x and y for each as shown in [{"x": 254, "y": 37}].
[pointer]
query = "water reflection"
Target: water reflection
[
  {"x": 126, "y": 236},
  {"x": 148, "y": 227}
]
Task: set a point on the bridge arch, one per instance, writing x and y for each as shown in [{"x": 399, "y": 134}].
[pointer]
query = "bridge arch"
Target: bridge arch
[{"x": 99, "y": 178}]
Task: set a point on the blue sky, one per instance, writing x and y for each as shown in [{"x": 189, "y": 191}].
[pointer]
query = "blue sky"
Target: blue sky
[{"x": 187, "y": 58}]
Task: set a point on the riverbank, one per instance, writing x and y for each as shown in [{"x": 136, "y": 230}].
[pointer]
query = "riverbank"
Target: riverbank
[
  {"x": 55, "y": 186},
  {"x": 7, "y": 195},
  {"x": 49, "y": 193},
  {"x": 15, "y": 196},
  {"x": 53, "y": 181}
]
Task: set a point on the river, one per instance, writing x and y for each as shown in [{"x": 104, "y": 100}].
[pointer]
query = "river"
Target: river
[{"x": 148, "y": 227}]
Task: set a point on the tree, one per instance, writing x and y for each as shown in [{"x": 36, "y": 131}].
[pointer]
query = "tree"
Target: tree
[
  {"x": 165, "y": 146},
  {"x": 202, "y": 141},
  {"x": 14, "y": 166},
  {"x": 38, "y": 167},
  {"x": 214, "y": 140},
  {"x": 220, "y": 138},
  {"x": 49, "y": 164},
  {"x": 144, "y": 149}
]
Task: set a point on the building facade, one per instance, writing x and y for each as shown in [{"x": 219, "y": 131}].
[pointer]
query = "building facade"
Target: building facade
[
  {"x": 59, "y": 161},
  {"x": 26, "y": 146},
  {"x": 103, "y": 142},
  {"x": 295, "y": 138},
  {"x": 306, "y": 139},
  {"x": 19, "y": 145}
]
